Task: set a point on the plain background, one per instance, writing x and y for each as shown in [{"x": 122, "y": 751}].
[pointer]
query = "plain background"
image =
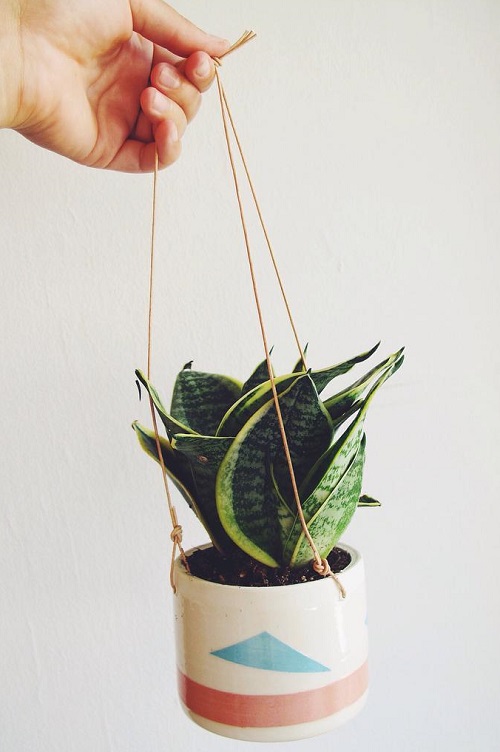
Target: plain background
[{"x": 372, "y": 131}]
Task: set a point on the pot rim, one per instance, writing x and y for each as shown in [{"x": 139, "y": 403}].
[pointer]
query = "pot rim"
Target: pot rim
[{"x": 356, "y": 559}]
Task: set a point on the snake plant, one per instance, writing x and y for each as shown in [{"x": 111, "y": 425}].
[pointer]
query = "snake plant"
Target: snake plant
[{"x": 224, "y": 452}]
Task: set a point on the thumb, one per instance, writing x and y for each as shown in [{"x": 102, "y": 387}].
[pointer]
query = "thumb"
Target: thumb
[{"x": 161, "y": 24}]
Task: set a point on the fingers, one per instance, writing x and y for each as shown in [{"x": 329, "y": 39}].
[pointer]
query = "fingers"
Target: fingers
[
  {"x": 199, "y": 69},
  {"x": 157, "y": 107},
  {"x": 161, "y": 24},
  {"x": 173, "y": 98},
  {"x": 171, "y": 102},
  {"x": 184, "y": 82},
  {"x": 135, "y": 156},
  {"x": 167, "y": 106}
]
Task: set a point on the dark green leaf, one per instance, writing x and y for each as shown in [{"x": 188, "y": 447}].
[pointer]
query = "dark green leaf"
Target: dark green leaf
[
  {"x": 286, "y": 514},
  {"x": 341, "y": 404},
  {"x": 324, "y": 377},
  {"x": 242, "y": 410},
  {"x": 367, "y": 501},
  {"x": 331, "y": 467},
  {"x": 300, "y": 366},
  {"x": 332, "y": 518},
  {"x": 203, "y": 455},
  {"x": 309, "y": 433},
  {"x": 177, "y": 468},
  {"x": 171, "y": 424},
  {"x": 200, "y": 400},
  {"x": 246, "y": 501},
  {"x": 257, "y": 378}
]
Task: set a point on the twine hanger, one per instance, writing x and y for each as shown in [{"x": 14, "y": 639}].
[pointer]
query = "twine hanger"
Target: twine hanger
[
  {"x": 176, "y": 533},
  {"x": 320, "y": 565}
]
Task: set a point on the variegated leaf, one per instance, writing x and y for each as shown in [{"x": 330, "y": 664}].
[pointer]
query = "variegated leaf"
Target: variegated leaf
[
  {"x": 171, "y": 424},
  {"x": 309, "y": 432},
  {"x": 207, "y": 452},
  {"x": 203, "y": 456},
  {"x": 367, "y": 501},
  {"x": 331, "y": 467},
  {"x": 176, "y": 467},
  {"x": 340, "y": 404},
  {"x": 323, "y": 377},
  {"x": 332, "y": 518},
  {"x": 246, "y": 501},
  {"x": 300, "y": 366},
  {"x": 200, "y": 400},
  {"x": 259, "y": 375},
  {"x": 286, "y": 514},
  {"x": 248, "y": 404}
]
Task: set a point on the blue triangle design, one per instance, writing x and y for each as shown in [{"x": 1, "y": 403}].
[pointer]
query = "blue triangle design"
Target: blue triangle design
[{"x": 270, "y": 654}]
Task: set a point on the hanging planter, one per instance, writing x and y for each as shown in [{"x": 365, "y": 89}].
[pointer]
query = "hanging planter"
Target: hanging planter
[
  {"x": 270, "y": 628},
  {"x": 271, "y": 663}
]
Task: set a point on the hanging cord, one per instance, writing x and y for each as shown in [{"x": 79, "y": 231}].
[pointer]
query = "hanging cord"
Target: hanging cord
[
  {"x": 247, "y": 37},
  {"x": 320, "y": 565},
  {"x": 176, "y": 534}
]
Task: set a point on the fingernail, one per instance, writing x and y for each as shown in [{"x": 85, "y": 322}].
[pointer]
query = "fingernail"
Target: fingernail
[
  {"x": 204, "y": 68},
  {"x": 220, "y": 40},
  {"x": 160, "y": 103},
  {"x": 169, "y": 77}
]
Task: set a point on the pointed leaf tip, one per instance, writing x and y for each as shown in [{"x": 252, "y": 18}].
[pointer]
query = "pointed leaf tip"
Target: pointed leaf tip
[{"x": 368, "y": 501}]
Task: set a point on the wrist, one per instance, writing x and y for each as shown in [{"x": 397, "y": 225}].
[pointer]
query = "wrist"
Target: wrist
[{"x": 10, "y": 63}]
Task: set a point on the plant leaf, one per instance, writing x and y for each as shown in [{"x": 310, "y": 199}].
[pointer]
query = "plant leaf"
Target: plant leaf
[
  {"x": 367, "y": 501},
  {"x": 245, "y": 498},
  {"x": 286, "y": 517},
  {"x": 171, "y": 424},
  {"x": 323, "y": 377},
  {"x": 242, "y": 410},
  {"x": 332, "y": 518},
  {"x": 300, "y": 366},
  {"x": 248, "y": 404},
  {"x": 176, "y": 467},
  {"x": 206, "y": 451},
  {"x": 309, "y": 432},
  {"x": 203, "y": 455},
  {"x": 259, "y": 375},
  {"x": 323, "y": 478},
  {"x": 340, "y": 404},
  {"x": 200, "y": 400},
  {"x": 179, "y": 469}
]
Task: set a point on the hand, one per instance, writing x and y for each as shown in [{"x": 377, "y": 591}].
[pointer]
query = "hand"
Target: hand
[{"x": 105, "y": 82}]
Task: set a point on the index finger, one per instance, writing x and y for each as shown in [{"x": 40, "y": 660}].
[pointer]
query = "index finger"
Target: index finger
[{"x": 161, "y": 24}]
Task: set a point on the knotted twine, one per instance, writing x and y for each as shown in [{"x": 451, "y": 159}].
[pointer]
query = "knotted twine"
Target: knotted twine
[{"x": 320, "y": 565}]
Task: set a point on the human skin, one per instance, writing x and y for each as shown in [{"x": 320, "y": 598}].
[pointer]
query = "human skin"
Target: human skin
[{"x": 103, "y": 83}]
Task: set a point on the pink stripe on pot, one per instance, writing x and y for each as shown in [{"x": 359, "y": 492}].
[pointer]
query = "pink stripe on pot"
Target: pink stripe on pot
[{"x": 265, "y": 711}]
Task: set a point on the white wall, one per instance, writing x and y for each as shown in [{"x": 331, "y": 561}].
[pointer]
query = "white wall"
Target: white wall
[{"x": 372, "y": 129}]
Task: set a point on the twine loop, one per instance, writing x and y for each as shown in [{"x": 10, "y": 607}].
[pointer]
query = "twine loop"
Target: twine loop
[
  {"x": 176, "y": 535},
  {"x": 322, "y": 567}
]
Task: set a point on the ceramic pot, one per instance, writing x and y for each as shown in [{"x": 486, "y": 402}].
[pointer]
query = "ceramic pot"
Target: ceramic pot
[{"x": 272, "y": 663}]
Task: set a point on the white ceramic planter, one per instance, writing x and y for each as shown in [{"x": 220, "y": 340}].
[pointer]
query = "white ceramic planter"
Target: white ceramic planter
[{"x": 272, "y": 663}]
